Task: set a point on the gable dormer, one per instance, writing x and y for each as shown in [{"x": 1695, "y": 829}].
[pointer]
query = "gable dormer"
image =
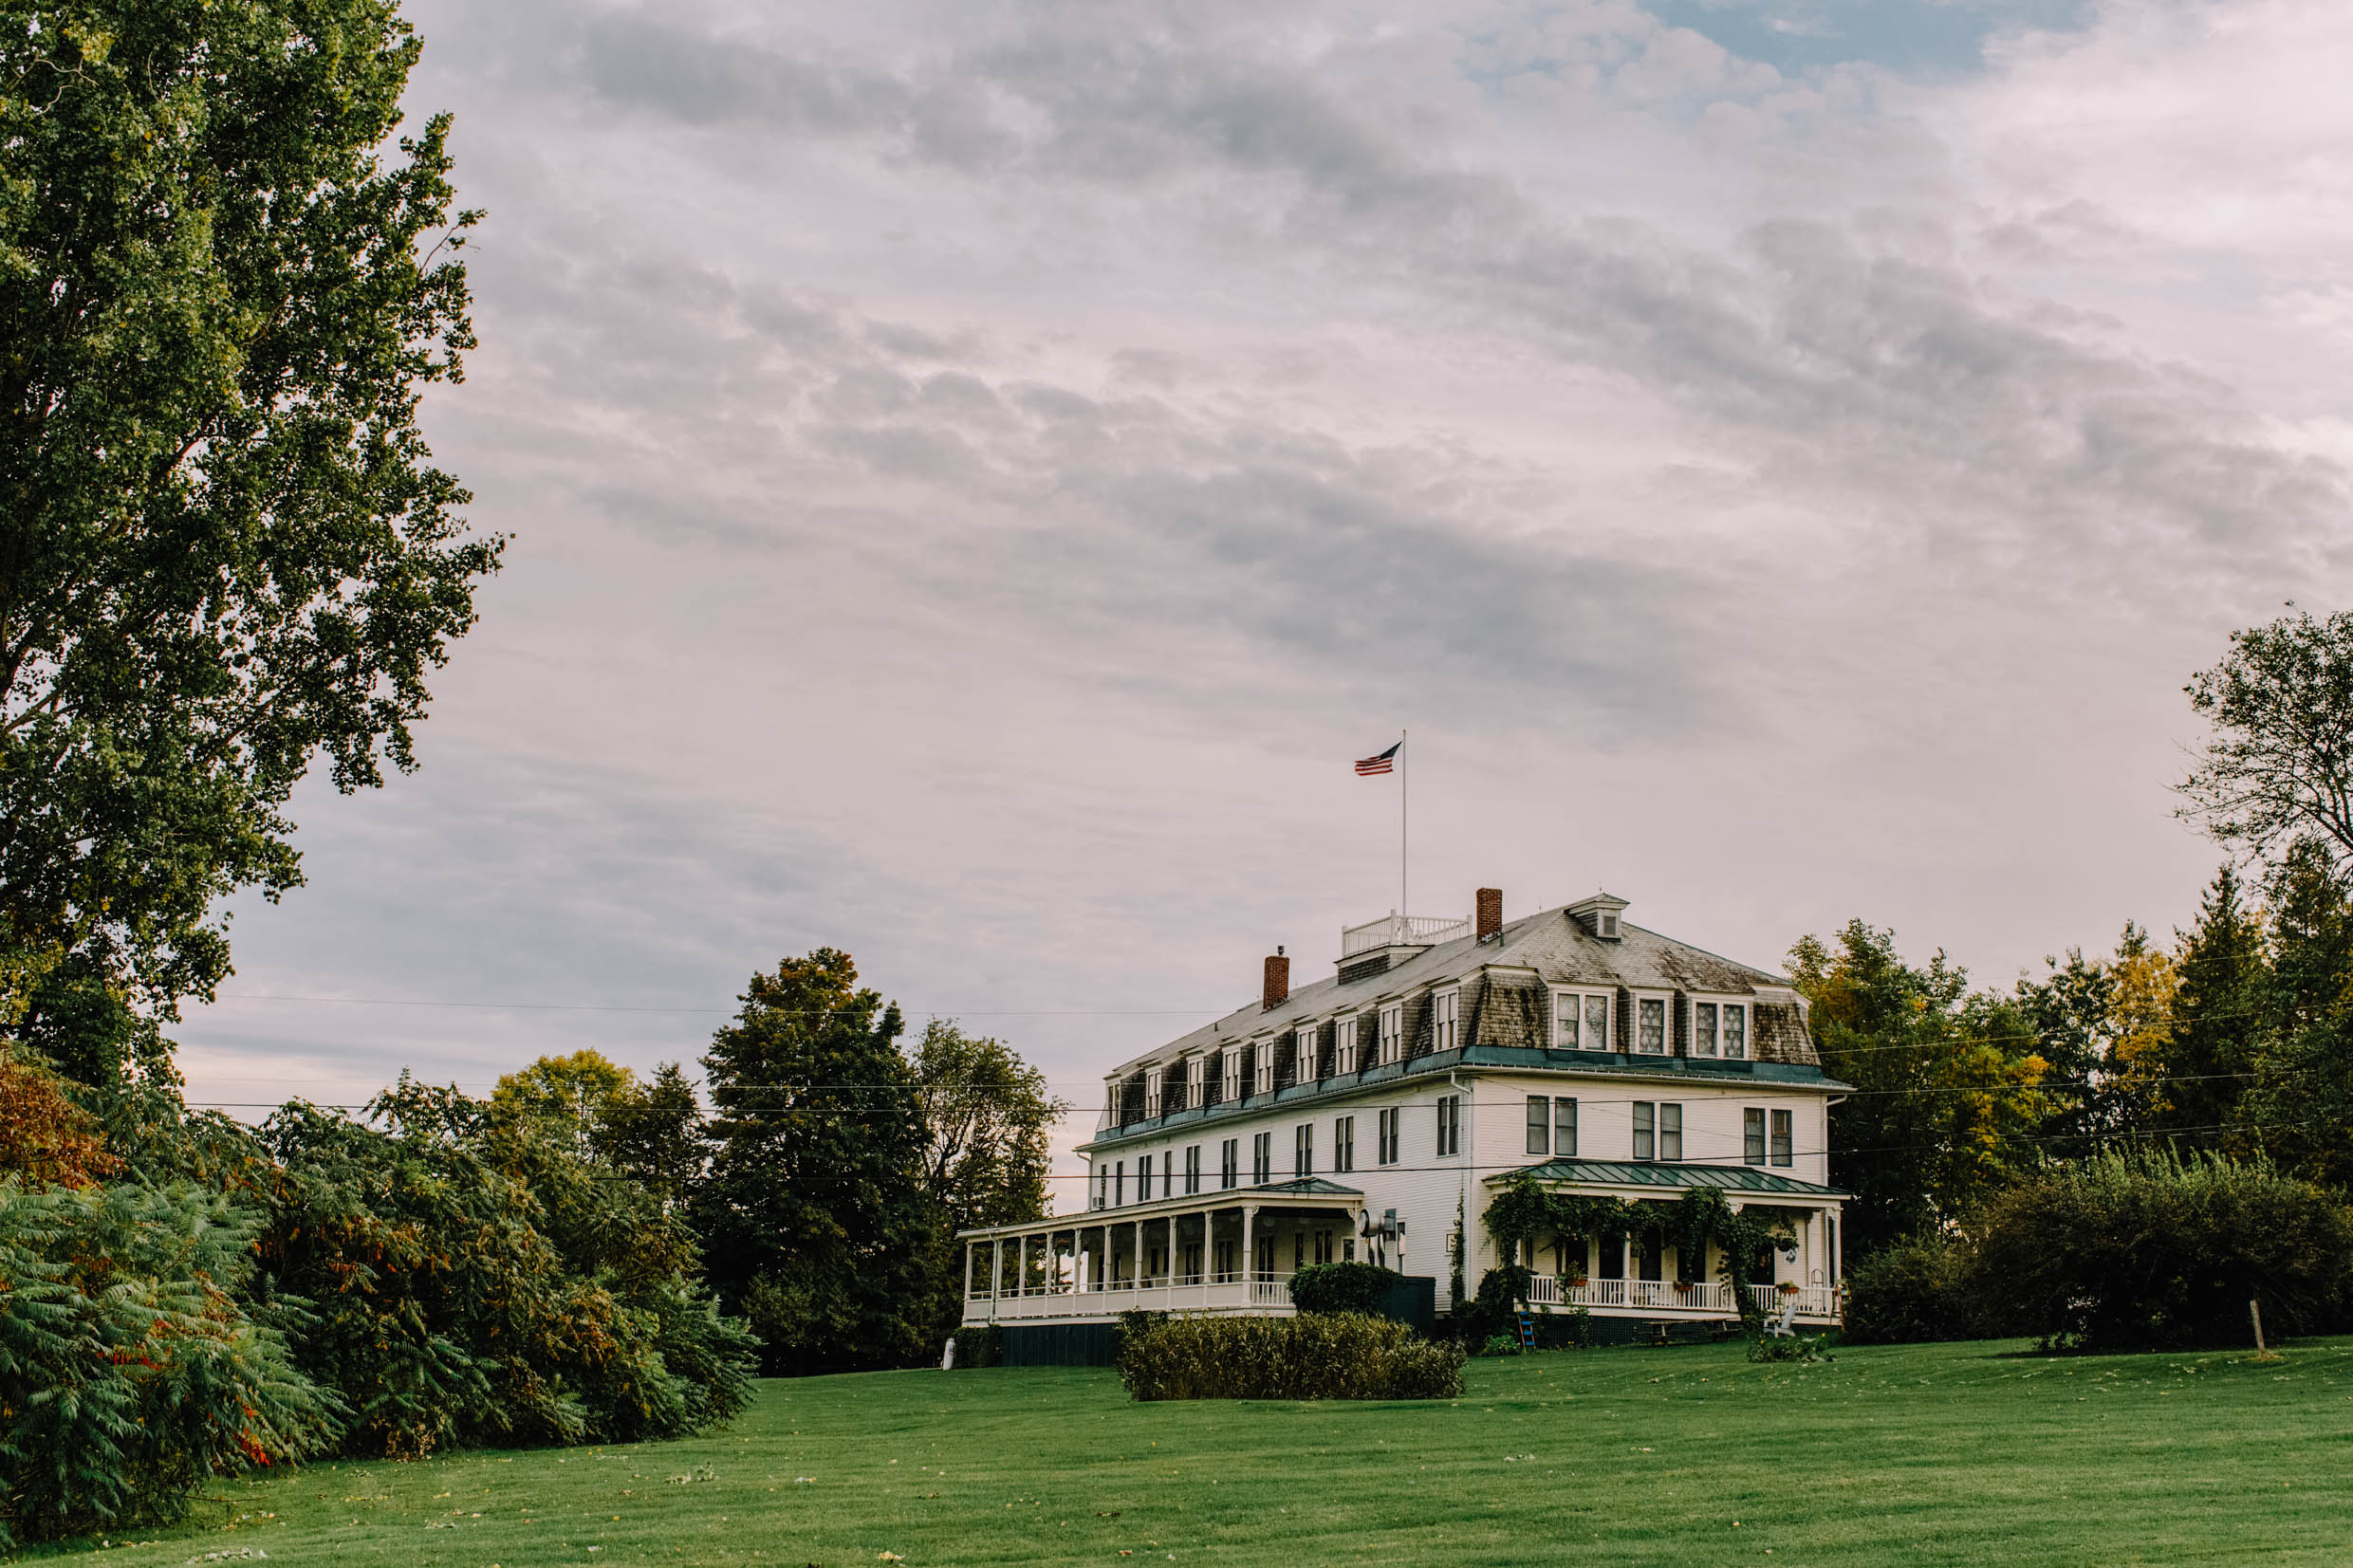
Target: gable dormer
[{"x": 1600, "y": 915}]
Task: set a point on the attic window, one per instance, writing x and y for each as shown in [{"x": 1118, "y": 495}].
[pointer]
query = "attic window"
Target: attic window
[{"x": 1609, "y": 924}]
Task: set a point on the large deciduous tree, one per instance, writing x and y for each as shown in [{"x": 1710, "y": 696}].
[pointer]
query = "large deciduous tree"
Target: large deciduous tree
[
  {"x": 225, "y": 550},
  {"x": 815, "y": 1223},
  {"x": 2278, "y": 766},
  {"x": 1946, "y": 1102}
]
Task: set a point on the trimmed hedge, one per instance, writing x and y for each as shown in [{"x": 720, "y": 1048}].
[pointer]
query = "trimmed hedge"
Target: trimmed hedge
[
  {"x": 1343, "y": 1287},
  {"x": 1314, "y": 1355},
  {"x": 979, "y": 1347}
]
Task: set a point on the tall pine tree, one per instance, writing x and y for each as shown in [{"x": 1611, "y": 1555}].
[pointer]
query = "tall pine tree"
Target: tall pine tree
[
  {"x": 815, "y": 1223},
  {"x": 2218, "y": 1008}
]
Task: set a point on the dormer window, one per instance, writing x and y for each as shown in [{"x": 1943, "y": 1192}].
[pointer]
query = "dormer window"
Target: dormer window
[
  {"x": 1650, "y": 1026},
  {"x": 1392, "y": 1033},
  {"x": 1153, "y": 1081},
  {"x": 1599, "y": 915},
  {"x": 1720, "y": 1028},
  {"x": 1263, "y": 1078},
  {"x": 1344, "y": 1046},
  {"x": 1306, "y": 1069},
  {"x": 1445, "y": 1020},
  {"x": 1581, "y": 1020}
]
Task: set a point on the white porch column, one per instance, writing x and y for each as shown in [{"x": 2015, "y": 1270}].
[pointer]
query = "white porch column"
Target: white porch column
[
  {"x": 1250, "y": 1249},
  {"x": 1135, "y": 1259}
]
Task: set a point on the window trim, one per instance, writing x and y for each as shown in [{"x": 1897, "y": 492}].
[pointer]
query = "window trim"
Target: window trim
[
  {"x": 1192, "y": 1170},
  {"x": 1229, "y": 1165},
  {"x": 1304, "y": 1058},
  {"x": 1782, "y": 1139},
  {"x": 1608, "y": 997},
  {"x": 1391, "y": 1025},
  {"x": 1446, "y": 1019},
  {"x": 1670, "y": 1111},
  {"x": 1449, "y": 1127},
  {"x": 1303, "y": 1150},
  {"x": 1344, "y": 1145},
  {"x": 1569, "y": 1103},
  {"x": 1262, "y": 1066},
  {"x": 1262, "y": 1157},
  {"x": 1645, "y": 1116},
  {"x": 1753, "y": 1142},
  {"x": 1344, "y": 1046},
  {"x": 1721, "y": 1001},
  {"x": 1391, "y": 1134},
  {"x": 1666, "y": 1023},
  {"x": 1540, "y": 1124}
]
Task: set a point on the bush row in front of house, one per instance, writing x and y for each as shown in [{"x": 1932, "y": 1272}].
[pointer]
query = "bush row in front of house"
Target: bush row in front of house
[
  {"x": 2120, "y": 1253},
  {"x": 1314, "y": 1355}
]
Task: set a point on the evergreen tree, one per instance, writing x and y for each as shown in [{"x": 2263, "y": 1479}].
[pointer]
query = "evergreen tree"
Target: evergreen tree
[
  {"x": 815, "y": 1221},
  {"x": 2218, "y": 1010},
  {"x": 2298, "y": 1097}
]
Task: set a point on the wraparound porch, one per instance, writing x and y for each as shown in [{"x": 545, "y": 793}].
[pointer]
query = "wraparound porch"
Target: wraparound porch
[{"x": 1229, "y": 1252}]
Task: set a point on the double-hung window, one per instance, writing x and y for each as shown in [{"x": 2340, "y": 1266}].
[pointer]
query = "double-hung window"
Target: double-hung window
[
  {"x": 1388, "y": 1146},
  {"x": 1393, "y": 1033},
  {"x": 1445, "y": 1019},
  {"x": 1306, "y": 1069},
  {"x": 1144, "y": 1179},
  {"x": 1670, "y": 1131},
  {"x": 1303, "y": 1150},
  {"x": 1540, "y": 1124},
  {"x": 1229, "y": 1164},
  {"x": 1233, "y": 1075},
  {"x": 1752, "y": 1136},
  {"x": 1580, "y": 1021},
  {"x": 1262, "y": 1159},
  {"x": 1168, "y": 1172},
  {"x": 1193, "y": 1169},
  {"x": 1344, "y": 1145},
  {"x": 1344, "y": 1046},
  {"x": 1450, "y": 1125},
  {"x": 1564, "y": 1126},
  {"x": 1720, "y": 1028},
  {"x": 1650, "y": 1026},
  {"x": 1263, "y": 1078},
  {"x": 1119, "y": 1183},
  {"x": 1153, "y": 1081},
  {"x": 1646, "y": 1130},
  {"x": 1103, "y": 1184},
  {"x": 1784, "y": 1138}
]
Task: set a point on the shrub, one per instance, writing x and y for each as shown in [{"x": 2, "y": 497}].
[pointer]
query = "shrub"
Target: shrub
[
  {"x": 1342, "y": 1287},
  {"x": 129, "y": 1376},
  {"x": 1789, "y": 1347},
  {"x": 2149, "y": 1253},
  {"x": 1908, "y": 1293},
  {"x": 982, "y": 1346},
  {"x": 1314, "y": 1355},
  {"x": 1499, "y": 1344}
]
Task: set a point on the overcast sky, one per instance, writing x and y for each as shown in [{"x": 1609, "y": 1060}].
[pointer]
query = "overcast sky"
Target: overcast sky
[{"x": 979, "y": 472}]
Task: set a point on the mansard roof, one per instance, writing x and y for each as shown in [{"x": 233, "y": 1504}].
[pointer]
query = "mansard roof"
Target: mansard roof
[
  {"x": 1556, "y": 950},
  {"x": 1728, "y": 1178}
]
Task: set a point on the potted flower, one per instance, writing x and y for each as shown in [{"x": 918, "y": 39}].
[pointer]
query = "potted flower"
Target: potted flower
[{"x": 1786, "y": 1287}]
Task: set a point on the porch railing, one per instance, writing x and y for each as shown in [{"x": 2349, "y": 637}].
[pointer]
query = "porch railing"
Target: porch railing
[
  {"x": 1705, "y": 1299},
  {"x": 1161, "y": 1293}
]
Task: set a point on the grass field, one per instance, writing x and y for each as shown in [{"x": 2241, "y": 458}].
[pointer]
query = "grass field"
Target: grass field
[{"x": 1918, "y": 1455}]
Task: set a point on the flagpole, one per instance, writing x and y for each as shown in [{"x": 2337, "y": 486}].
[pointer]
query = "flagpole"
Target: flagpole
[{"x": 1405, "y": 764}]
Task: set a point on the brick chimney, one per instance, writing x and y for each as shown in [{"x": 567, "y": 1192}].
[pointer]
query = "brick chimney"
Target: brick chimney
[
  {"x": 1278, "y": 989},
  {"x": 1491, "y": 912}
]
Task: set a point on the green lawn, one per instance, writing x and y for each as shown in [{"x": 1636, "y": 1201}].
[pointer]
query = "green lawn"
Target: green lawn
[{"x": 1933, "y": 1454}]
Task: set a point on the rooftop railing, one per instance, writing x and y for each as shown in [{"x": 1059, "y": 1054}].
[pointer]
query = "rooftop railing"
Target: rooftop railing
[{"x": 1400, "y": 931}]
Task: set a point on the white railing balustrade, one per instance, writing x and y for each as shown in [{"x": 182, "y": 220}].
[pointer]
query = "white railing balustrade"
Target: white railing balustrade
[
  {"x": 1709, "y": 1298},
  {"x": 1396, "y": 930}
]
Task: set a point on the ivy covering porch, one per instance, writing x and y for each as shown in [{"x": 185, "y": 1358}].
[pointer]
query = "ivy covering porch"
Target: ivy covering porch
[{"x": 1669, "y": 1241}]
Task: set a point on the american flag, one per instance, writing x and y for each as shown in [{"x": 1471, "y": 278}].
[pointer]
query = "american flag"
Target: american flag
[{"x": 1368, "y": 767}]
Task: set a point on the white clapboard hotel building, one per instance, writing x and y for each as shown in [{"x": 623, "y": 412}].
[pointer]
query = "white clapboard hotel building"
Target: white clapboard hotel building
[{"x": 1368, "y": 1115}]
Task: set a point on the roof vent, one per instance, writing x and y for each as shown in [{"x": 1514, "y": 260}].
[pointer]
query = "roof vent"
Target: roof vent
[{"x": 1598, "y": 915}]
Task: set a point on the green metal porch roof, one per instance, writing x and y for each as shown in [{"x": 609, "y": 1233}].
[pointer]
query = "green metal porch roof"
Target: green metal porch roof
[{"x": 1730, "y": 1178}]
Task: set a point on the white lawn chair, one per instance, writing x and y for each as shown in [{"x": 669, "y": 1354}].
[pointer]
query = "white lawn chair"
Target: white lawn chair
[{"x": 1780, "y": 1328}]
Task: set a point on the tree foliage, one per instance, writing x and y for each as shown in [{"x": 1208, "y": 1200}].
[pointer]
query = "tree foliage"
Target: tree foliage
[
  {"x": 814, "y": 1216},
  {"x": 224, "y": 548},
  {"x": 132, "y": 1370},
  {"x": 1947, "y": 1098},
  {"x": 2278, "y": 766}
]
